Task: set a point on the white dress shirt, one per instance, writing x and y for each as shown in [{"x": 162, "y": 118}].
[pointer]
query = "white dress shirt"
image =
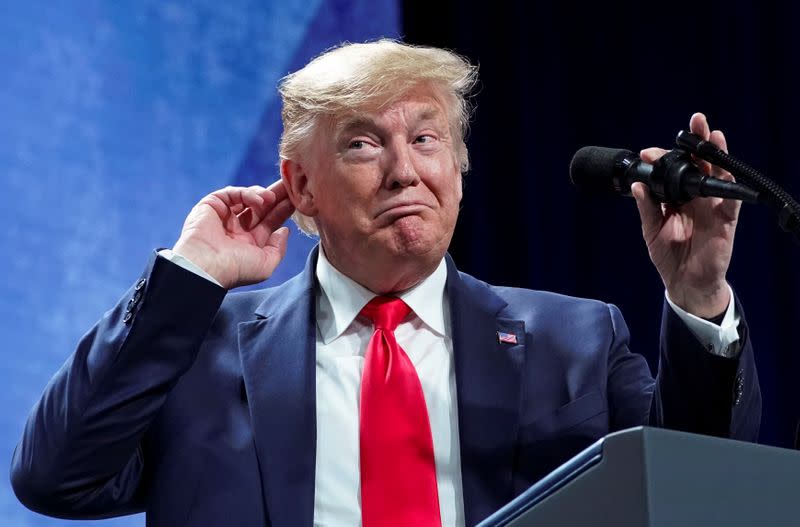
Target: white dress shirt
[
  {"x": 342, "y": 338},
  {"x": 341, "y": 341}
]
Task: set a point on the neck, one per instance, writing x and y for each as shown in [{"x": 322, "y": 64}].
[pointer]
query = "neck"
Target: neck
[{"x": 385, "y": 275}]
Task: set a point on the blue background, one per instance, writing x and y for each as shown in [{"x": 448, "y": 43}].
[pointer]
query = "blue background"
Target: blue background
[{"x": 115, "y": 118}]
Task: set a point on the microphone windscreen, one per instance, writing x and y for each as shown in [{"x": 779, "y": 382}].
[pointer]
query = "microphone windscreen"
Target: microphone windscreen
[{"x": 592, "y": 168}]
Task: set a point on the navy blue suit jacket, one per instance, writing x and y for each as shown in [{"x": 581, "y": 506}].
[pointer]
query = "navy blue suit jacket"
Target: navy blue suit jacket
[{"x": 199, "y": 407}]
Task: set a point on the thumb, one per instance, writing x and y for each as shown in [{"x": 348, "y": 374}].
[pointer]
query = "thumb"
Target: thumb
[
  {"x": 276, "y": 245},
  {"x": 649, "y": 211}
]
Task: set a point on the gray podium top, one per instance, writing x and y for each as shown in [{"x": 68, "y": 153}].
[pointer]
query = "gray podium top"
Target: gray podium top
[{"x": 645, "y": 477}]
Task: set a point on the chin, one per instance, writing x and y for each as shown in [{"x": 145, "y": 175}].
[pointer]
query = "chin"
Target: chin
[{"x": 412, "y": 236}]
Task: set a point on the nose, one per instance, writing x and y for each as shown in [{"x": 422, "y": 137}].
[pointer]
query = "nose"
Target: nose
[{"x": 400, "y": 172}]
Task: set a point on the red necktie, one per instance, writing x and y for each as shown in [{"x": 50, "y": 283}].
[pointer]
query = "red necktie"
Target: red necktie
[{"x": 398, "y": 471}]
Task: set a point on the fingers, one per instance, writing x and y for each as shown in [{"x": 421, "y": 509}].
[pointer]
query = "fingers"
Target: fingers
[
  {"x": 729, "y": 207},
  {"x": 239, "y": 196},
  {"x": 651, "y": 155},
  {"x": 263, "y": 230},
  {"x": 279, "y": 213},
  {"x": 279, "y": 189},
  {"x": 250, "y": 206},
  {"x": 255, "y": 204},
  {"x": 650, "y": 212},
  {"x": 718, "y": 139},
  {"x": 232, "y": 201},
  {"x": 698, "y": 125},
  {"x": 263, "y": 223},
  {"x": 276, "y": 203}
]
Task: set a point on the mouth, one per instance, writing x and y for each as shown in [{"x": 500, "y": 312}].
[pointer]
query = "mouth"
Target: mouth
[{"x": 398, "y": 210}]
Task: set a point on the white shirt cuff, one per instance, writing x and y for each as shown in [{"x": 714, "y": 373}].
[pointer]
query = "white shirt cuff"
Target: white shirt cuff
[
  {"x": 716, "y": 339},
  {"x": 186, "y": 263}
]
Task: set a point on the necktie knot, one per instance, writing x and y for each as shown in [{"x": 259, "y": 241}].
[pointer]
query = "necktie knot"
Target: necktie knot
[{"x": 386, "y": 312}]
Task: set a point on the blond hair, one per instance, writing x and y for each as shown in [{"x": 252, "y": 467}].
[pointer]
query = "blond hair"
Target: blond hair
[{"x": 369, "y": 77}]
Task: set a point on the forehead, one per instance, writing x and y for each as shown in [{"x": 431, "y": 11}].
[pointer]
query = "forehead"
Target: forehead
[{"x": 410, "y": 109}]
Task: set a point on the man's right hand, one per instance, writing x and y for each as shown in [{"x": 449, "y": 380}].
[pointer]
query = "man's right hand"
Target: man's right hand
[{"x": 233, "y": 234}]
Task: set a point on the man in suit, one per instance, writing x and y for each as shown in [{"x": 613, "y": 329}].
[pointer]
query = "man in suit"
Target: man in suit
[{"x": 327, "y": 400}]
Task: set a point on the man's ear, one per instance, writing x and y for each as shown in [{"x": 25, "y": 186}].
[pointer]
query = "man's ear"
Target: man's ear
[{"x": 295, "y": 179}]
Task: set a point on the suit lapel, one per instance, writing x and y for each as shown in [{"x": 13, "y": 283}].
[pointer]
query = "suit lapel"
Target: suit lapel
[
  {"x": 488, "y": 386},
  {"x": 278, "y": 354}
]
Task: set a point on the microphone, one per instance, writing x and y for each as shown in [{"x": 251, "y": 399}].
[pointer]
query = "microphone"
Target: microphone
[{"x": 673, "y": 179}]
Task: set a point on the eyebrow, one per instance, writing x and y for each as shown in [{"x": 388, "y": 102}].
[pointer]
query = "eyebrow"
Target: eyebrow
[{"x": 428, "y": 113}]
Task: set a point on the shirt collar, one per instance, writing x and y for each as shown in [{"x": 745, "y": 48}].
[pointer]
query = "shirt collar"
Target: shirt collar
[{"x": 341, "y": 299}]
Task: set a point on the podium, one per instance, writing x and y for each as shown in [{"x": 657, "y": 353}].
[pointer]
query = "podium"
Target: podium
[{"x": 649, "y": 477}]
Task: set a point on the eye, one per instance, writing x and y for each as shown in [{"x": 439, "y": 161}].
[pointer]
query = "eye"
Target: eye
[
  {"x": 425, "y": 139},
  {"x": 356, "y": 145}
]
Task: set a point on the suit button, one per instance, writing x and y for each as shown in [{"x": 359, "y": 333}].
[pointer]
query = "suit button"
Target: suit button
[
  {"x": 131, "y": 305},
  {"x": 733, "y": 350},
  {"x": 738, "y": 387},
  {"x": 128, "y": 317},
  {"x": 137, "y": 296},
  {"x": 140, "y": 284}
]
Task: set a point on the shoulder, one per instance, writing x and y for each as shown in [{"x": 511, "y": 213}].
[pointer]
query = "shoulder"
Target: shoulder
[
  {"x": 252, "y": 305},
  {"x": 518, "y": 298},
  {"x": 247, "y": 301},
  {"x": 549, "y": 310}
]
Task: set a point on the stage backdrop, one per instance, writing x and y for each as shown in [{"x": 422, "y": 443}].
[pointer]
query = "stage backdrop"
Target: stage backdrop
[{"x": 116, "y": 118}]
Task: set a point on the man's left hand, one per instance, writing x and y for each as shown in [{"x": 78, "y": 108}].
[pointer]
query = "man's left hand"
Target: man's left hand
[{"x": 691, "y": 245}]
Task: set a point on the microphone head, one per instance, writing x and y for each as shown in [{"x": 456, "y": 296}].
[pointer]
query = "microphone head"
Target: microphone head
[{"x": 594, "y": 168}]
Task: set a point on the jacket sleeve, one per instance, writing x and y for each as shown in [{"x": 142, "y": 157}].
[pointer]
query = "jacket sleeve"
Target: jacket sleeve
[
  {"x": 81, "y": 453},
  {"x": 697, "y": 391},
  {"x": 694, "y": 391}
]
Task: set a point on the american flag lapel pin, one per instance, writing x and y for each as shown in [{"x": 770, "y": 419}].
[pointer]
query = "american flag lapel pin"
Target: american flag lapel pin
[{"x": 507, "y": 338}]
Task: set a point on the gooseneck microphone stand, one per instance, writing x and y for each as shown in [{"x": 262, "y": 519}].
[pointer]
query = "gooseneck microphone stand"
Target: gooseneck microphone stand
[{"x": 770, "y": 193}]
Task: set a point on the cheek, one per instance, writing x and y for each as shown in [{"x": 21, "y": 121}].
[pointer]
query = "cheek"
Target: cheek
[
  {"x": 448, "y": 189},
  {"x": 442, "y": 175},
  {"x": 343, "y": 187},
  {"x": 351, "y": 203}
]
